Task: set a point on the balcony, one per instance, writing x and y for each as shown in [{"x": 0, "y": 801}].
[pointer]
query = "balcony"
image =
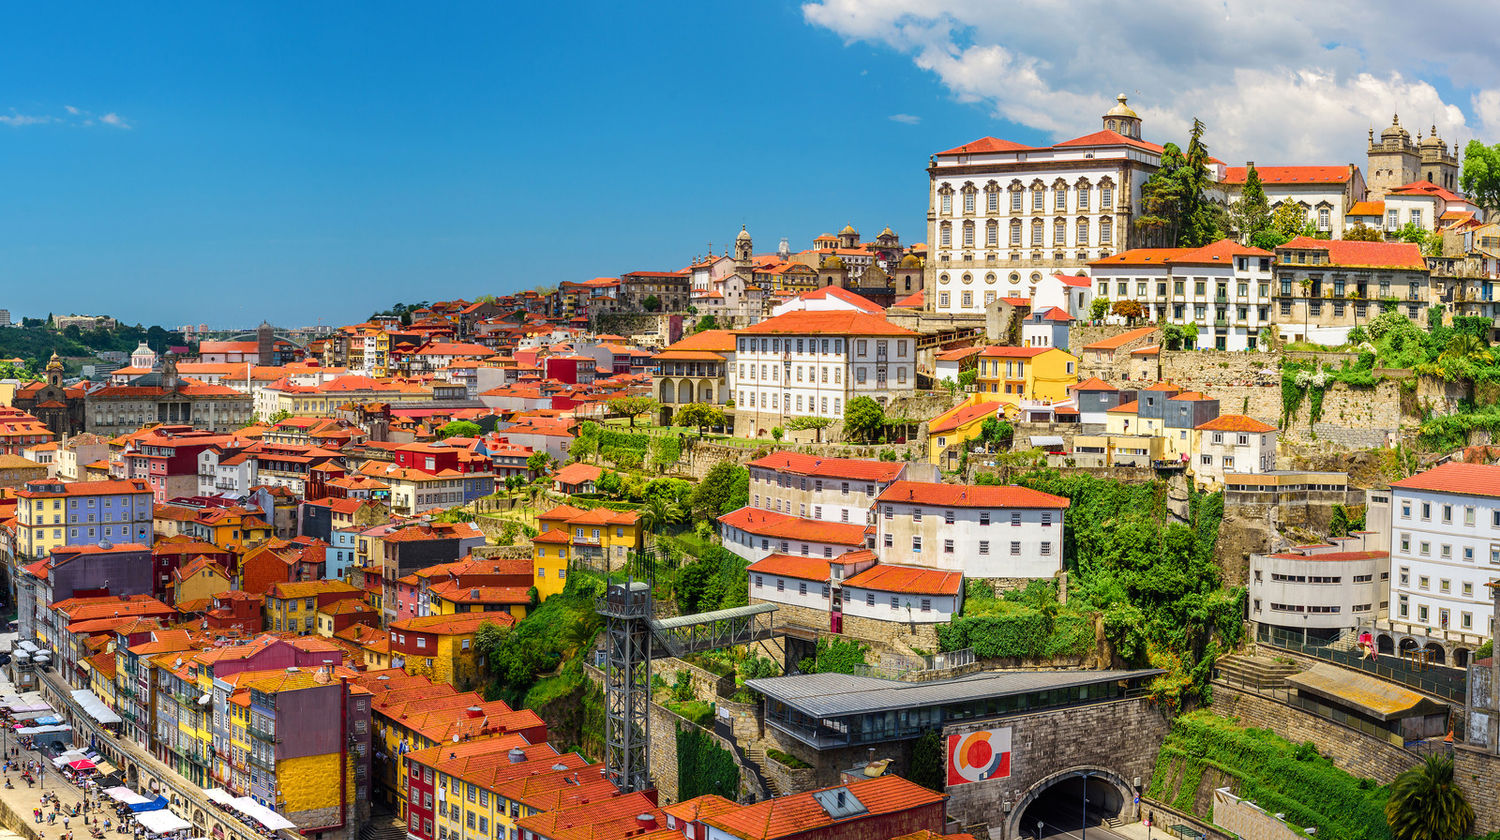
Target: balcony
[
  {"x": 1221, "y": 298},
  {"x": 262, "y": 735},
  {"x": 1221, "y": 322},
  {"x": 260, "y": 763}
]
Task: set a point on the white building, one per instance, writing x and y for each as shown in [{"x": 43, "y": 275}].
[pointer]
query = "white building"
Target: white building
[
  {"x": 829, "y": 299},
  {"x": 805, "y": 583},
  {"x": 810, "y": 364},
  {"x": 1445, "y": 546},
  {"x": 1224, "y": 288},
  {"x": 754, "y": 534},
  {"x": 982, "y": 531},
  {"x": 1319, "y": 590},
  {"x": 1325, "y": 194},
  {"x": 1002, "y": 216},
  {"x": 1072, "y": 293},
  {"x": 1232, "y": 443},
  {"x": 907, "y": 594},
  {"x": 825, "y": 489}
]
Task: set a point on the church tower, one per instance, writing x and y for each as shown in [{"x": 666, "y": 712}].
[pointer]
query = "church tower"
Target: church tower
[
  {"x": 742, "y": 251},
  {"x": 1393, "y": 161},
  {"x": 55, "y": 372},
  {"x": 1123, "y": 120},
  {"x": 1438, "y": 164}
]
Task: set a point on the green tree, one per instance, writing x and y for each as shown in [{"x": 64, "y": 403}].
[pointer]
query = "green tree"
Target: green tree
[
  {"x": 1175, "y": 198},
  {"x": 1287, "y": 221},
  {"x": 777, "y": 433},
  {"x": 707, "y": 322},
  {"x": 652, "y": 303},
  {"x": 864, "y": 419},
  {"x": 927, "y": 760},
  {"x": 1190, "y": 334},
  {"x": 633, "y": 407},
  {"x": 539, "y": 463},
  {"x": 816, "y": 424},
  {"x": 1362, "y": 232},
  {"x": 966, "y": 378},
  {"x": 458, "y": 428},
  {"x": 1480, "y": 178},
  {"x": 1426, "y": 804},
  {"x": 949, "y": 385},
  {"x": 724, "y": 488},
  {"x": 1098, "y": 308},
  {"x": 1252, "y": 214},
  {"x": 279, "y": 416},
  {"x": 701, "y": 416},
  {"x": 661, "y": 514},
  {"x": 994, "y": 433},
  {"x": 1161, "y": 200}
]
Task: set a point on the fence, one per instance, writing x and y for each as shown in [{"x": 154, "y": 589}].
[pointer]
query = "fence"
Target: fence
[
  {"x": 1449, "y": 684},
  {"x": 899, "y": 666}
]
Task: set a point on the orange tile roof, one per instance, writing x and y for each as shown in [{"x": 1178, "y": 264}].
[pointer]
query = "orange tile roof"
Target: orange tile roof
[
  {"x": 767, "y": 523},
  {"x": 787, "y": 565},
  {"x": 1132, "y": 407},
  {"x": 1356, "y": 254},
  {"x": 800, "y": 813},
  {"x": 86, "y": 488},
  {"x": 962, "y": 416},
  {"x": 1094, "y": 383},
  {"x": 1235, "y": 423},
  {"x": 1366, "y": 208},
  {"x": 987, "y": 144},
  {"x": 970, "y": 495},
  {"x": 578, "y": 473},
  {"x": 1456, "y": 477},
  {"x": 1008, "y": 352},
  {"x": 837, "y": 322},
  {"x": 1140, "y": 256},
  {"x": 856, "y": 469},
  {"x": 913, "y": 580},
  {"x": 1222, "y": 252},
  {"x": 452, "y": 625},
  {"x": 861, "y": 302},
  {"x": 1289, "y": 174}
]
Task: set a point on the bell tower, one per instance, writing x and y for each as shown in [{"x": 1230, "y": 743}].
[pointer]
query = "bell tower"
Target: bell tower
[
  {"x": 55, "y": 372},
  {"x": 742, "y": 248}
]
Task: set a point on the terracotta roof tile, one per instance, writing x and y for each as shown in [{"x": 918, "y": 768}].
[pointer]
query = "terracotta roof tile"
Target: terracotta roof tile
[{"x": 969, "y": 495}]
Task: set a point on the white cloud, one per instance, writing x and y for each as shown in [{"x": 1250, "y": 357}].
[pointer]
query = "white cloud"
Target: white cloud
[
  {"x": 71, "y": 110},
  {"x": 1276, "y": 81},
  {"x": 115, "y": 120},
  {"x": 908, "y": 119},
  {"x": 15, "y": 118}
]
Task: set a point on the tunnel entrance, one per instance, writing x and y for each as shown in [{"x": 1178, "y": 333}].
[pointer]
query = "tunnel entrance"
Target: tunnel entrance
[{"x": 1069, "y": 802}]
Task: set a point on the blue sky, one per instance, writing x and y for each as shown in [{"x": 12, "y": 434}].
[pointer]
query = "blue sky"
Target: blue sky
[{"x": 307, "y": 162}]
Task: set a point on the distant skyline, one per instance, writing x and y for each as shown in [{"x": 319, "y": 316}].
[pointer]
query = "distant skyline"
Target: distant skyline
[{"x": 301, "y": 163}]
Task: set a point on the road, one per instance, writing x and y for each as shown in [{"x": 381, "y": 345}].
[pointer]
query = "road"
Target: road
[{"x": 1061, "y": 821}]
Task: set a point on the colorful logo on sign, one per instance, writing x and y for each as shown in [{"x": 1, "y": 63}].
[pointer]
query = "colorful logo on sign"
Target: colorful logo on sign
[{"x": 978, "y": 756}]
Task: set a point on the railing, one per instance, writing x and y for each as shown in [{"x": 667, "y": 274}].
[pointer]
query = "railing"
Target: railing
[
  {"x": 898, "y": 666},
  {"x": 1327, "y": 712},
  {"x": 1439, "y": 681},
  {"x": 261, "y": 734},
  {"x": 268, "y": 766}
]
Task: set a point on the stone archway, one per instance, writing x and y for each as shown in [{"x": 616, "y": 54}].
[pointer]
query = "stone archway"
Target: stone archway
[
  {"x": 685, "y": 391},
  {"x": 1437, "y": 655},
  {"x": 1384, "y": 645},
  {"x": 1407, "y": 645},
  {"x": 667, "y": 391},
  {"x": 1461, "y": 657},
  {"x": 1120, "y": 791}
]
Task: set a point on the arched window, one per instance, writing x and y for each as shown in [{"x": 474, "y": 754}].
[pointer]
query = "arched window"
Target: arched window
[
  {"x": 1083, "y": 196},
  {"x": 969, "y": 193},
  {"x": 1036, "y": 231},
  {"x": 992, "y": 233},
  {"x": 946, "y": 235},
  {"x": 992, "y": 198},
  {"x": 1015, "y": 232},
  {"x": 1060, "y": 199},
  {"x": 1106, "y": 231},
  {"x": 1038, "y": 199},
  {"x": 1059, "y": 232},
  {"x": 1083, "y": 233},
  {"x": 968, "y": 234}
]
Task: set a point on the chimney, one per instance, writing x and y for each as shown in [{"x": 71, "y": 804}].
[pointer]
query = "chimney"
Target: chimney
[
  {"x": 645, "y": 822},
  {"x": 516, "y": 755},
  {"x": 474, "y": 711}
]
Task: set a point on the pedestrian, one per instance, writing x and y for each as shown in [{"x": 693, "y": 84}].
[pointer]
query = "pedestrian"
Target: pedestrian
[{"x": 65, "y": 823}]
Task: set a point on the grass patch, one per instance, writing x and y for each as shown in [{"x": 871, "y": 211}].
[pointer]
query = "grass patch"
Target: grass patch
[{"x": 791, "y": 762}]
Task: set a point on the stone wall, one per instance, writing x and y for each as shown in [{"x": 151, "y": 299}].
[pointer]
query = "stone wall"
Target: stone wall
[
  {"x": 706, "y": 684},
  {"x": 1248, "y": 821},
  {"x": 1478, "y": 775},
  {"x": 1122, "y": 740},
  {"x": 663, "y": 756},
  {"x": 1352, "y": 751}
]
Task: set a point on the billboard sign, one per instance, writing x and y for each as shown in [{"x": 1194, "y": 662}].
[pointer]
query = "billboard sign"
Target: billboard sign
[{"x": 978, "y": 756}]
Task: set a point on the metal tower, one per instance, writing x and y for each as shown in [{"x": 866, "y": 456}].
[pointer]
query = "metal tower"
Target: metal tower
[{"x": 631, "y": 633}]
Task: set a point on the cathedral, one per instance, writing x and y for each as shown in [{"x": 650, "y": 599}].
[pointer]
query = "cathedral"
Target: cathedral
[
  {"x": 1394, "y": 161},
  {"x": 61, "y": 409}
]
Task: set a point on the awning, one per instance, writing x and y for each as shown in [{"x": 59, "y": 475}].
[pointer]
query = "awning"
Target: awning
[
  {"x": 42, "y": 730},
  {"x": 261, "y": 814},
  {"x": 157, "y": 804},
  {"x": 220, "y": 796},
  {"x": 82, "y": 764},
  {"x": 95, "y": 707},
  {"x": 125, "y": 796},
  {"x": 105, "y": 768},
  {"x": 1368, "y": 695},
  {"x": 1043, "y": 441},
  {"x": 162, "y": 822}
]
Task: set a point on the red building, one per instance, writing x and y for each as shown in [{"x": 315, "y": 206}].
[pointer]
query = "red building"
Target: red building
[
  {"x": 171, "y": 553},
  {"x": 167, "y": 459},
  {"x": 236, "y": 610}
]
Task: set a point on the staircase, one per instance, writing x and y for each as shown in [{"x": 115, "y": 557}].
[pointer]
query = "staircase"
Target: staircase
[
  {"x": 1256, "y": 671},
  {"x": 1347, "y": 640},
  {"x": 383, "y": 827},
  {"x": 1113, "y": 822},
  {"x": 757, "y": 756}
]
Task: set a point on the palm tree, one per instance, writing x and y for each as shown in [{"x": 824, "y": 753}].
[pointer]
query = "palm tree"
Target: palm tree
[
  {"x": 1425, "y": 804},
  {"x": 660, "y": 513}
]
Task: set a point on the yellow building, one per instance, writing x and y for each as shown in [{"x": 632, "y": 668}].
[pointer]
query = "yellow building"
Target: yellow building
[
  {"x": 1013, "y": 374},
  {"x": 598, "y": 538},
  {"x": 101, "y": 675},
  {"x": 51, "y": 514},
  {"x": 441, "y": 647},
  {"x": 293, "y": 607},
  {"x": 232, "y": 529},
  {"x": 959, "y": 424},
  {"x": 197, "y": 579}
]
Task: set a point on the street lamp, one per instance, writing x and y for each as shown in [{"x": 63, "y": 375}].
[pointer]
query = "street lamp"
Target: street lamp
[
  {"x": 1083, "y": 831},
  {"x": 1038, "y": 830}
]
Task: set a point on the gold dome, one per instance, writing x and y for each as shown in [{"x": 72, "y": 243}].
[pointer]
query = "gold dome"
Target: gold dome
[
  {"x": 911, "y": 261},
  {"x": 1122, "y": 110},
  {"x": 847, "y": 229}
]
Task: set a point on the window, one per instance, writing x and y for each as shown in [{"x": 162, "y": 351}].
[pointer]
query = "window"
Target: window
[
  {"x": 984, "y": 547},
  {"x": 992, "y": 201},
  {"x": 947, "y": 517},
  {"x": 968, "y": 201},
  {"x": 1015, "y": 201},
  {"x": 984, "y": 518},
  {"x": 1015, "y": 518},
  {"x": 1046, "y": 549},
  {"x": 946, "y": 202},
  {"x": 801, "y": 588},
  {"x": 869, "y": 599},
  {"x": 1106, "y": 227},
  {"x": 947, "y": 546},
  {"x": 916, "y": 545},
  {"x": 1015, "y": 548},
  {"x": 1106, "y": 196}
]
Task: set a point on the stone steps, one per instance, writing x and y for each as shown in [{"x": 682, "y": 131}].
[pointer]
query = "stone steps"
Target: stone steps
[
  {"x": 1256, "y": 671},
  {"x": 383, "y": 827},
  {"x": 757, "y": 756}
]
